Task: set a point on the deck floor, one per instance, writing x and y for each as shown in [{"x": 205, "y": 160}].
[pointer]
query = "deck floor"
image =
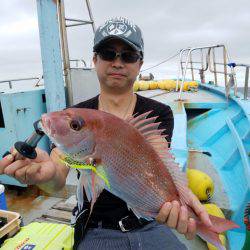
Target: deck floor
[
  {"x": 32, "y": 203},
  {"x": 200, "y": 96}
]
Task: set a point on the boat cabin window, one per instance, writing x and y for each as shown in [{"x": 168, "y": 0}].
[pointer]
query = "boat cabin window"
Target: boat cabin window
[
  {"x": 43, "y": 98},
  {"x": 1, "y": 117}
]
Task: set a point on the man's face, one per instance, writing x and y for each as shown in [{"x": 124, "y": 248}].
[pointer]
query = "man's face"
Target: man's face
[{"x": 116, "y": 75}]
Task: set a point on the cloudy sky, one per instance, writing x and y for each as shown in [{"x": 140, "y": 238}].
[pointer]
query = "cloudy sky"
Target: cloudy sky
[{"x": 167, "y": 25}]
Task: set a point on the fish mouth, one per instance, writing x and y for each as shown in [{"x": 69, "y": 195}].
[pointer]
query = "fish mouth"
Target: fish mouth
[
  {"x": 46, "y": 126},
  {"x": 42, "y": 124}
]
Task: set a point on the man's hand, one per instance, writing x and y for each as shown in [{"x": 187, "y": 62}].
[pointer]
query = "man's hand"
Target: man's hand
[
  {"x": 28, "y": 171},
  {"x": 176, "y": 216},
  {"x": 45, "y": 171}
]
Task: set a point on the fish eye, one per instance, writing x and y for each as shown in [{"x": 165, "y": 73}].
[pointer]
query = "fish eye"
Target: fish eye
[{"x": 77, "y": 124}]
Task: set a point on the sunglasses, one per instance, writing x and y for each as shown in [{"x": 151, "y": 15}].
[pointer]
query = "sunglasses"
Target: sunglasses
[{"x": 125, "y": 56}]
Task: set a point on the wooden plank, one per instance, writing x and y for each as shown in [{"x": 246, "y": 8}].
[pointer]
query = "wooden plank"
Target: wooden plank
[
  {"x": 56, "y": 214},
  {"x": 64, "y": 206},
  {"x": 50, "y": 220}
]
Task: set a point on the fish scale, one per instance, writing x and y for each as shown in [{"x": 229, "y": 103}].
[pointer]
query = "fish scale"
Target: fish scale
[
  {"x": 135, "y": 194},
  {"x": 133, "y": 185},
  {"x": 136, "y": 179}
]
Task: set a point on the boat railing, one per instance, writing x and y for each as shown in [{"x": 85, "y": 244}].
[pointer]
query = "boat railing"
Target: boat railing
[
  {"x": 77, "y": 63},
  {"x": 11, "y": 81},
  {"x": 246, "y": 66},
  {"x": 208, "y": 62},
  {"x": 64, "y": 24}
]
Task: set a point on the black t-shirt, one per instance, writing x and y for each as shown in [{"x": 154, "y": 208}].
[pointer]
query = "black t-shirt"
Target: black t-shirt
[{"x": 108, "y": 206}]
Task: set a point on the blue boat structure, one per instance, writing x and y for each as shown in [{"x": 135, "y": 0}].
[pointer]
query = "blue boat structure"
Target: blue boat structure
[
  {"x": 212, "y": 133},
  {"x": 212, "y": 119}
]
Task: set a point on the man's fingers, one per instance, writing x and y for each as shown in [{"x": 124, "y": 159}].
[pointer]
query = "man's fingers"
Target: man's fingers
[
  {"x": 173, "y": 215},
  {"x": 13, "y": 167},
  {"x": 164, "y": 212},
  {"x": 200, "y": 210},
  {"x": 16, "y": 154},
  {"x": 32, "y": 175},
  {"x": 191, "y": 229},
  {"x": 7, "y": 160},
  {"x": 28, "y": 174},
  {"x": 182, "y": 225},
  {"x": 13, "y": 151},
  {"x": 20, "y": 175}
]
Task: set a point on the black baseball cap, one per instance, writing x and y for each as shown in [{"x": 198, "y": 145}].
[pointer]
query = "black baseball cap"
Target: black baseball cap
[{"x": 119, "y": 28}]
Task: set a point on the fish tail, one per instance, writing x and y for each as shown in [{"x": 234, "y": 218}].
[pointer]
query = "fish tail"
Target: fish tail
[
  {"x": 221, "y": 225},
  {"x": 211, "y": 234},
  {"x": 208, "y": 235}
]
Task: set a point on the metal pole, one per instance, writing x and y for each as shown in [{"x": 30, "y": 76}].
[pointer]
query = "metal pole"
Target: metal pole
[
  {"x": 233, "y": 73},
  {"x": 180, "y": 69},
  {"x": 246, "y": 83},
  {"x": 202, "y": 60},
  {"x": 225, "y": 64},
  {"x": 201, "y": 72},
  {"x": 178, "y": 72},
  {"x": 51, "y": 54},
  {"x": 215, "y": 73},
  {"x": 65, "y": 51},
  {"x": 192, "y": 70},
  {"x": 90, "y": 15},
  {"x": 184, "y": 73},
  {"x": 78, "y": 24}
]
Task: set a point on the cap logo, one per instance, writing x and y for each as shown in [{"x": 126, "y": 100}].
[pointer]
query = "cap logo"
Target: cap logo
[{"x": 116, "y": 28}]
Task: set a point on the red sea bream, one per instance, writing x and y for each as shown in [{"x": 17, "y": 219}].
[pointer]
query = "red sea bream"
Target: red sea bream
[{"x": 130, "y": 158}]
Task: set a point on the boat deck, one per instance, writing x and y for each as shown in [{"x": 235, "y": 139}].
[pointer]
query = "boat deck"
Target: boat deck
[
  {"x": 35, "y": 205},
  {"x": 200, "y": 96}
]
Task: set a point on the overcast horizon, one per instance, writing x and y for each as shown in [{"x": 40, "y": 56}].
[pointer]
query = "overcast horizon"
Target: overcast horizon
[{"x": 167, "y": 27}]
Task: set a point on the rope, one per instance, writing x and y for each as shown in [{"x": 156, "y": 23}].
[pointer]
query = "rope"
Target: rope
[{"x": 169, "y": 58}]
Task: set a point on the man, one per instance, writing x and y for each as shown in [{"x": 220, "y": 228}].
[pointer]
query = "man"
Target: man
[{"x": 118, "y": 57}]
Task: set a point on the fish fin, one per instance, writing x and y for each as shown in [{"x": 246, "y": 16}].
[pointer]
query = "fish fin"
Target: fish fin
[
  {"x": 180, "y": 180},
  {"x": 93, "y": 186},
  {"x": 93, "y": 183},
  {"x": 86, "y": 180},
  {"x": 211, "y": 234},
  {"x": 149, "y": 129},
  {"x": 208, "y": 235},
  {"x": 134, "y": 119},
  {"x": 98, "y": 185},
  {"x": 221, "y": 225},
  {"x": 93, "y": 189}
]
